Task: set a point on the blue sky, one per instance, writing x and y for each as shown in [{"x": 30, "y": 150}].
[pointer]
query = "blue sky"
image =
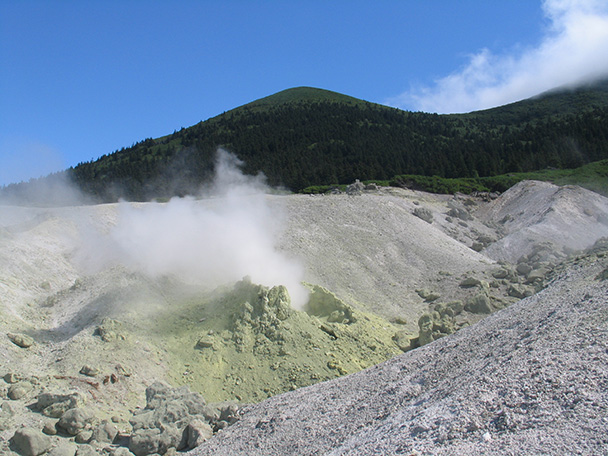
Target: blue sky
[{"x": 81, "y": 79}]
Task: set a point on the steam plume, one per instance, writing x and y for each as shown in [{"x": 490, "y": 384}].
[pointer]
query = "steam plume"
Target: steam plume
[{"x": 228, "y": 234}]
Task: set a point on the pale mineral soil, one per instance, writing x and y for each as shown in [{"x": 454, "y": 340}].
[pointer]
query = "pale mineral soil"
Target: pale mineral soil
[{"x": 370, "y": 251}]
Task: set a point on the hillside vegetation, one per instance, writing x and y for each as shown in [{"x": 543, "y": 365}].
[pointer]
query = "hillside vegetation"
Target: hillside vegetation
[{"x": 303, "y": 137}]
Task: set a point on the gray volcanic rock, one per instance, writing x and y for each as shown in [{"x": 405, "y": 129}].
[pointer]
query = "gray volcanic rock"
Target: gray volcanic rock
[{"x": 532, "y": 378}]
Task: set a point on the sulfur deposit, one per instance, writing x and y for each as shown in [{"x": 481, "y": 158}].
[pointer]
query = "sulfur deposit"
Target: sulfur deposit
[{"x": 249, "y": 343}]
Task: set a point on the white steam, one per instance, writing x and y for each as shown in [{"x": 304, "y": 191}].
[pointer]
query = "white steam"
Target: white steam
[
  {"x": 218, "y": 239},
  {"x": 573, "y": 51}
]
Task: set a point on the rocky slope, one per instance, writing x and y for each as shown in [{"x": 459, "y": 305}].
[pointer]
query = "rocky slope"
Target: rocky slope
[
  {"x": 531, "y": 379},
  {"x": 388, "y": 270}
]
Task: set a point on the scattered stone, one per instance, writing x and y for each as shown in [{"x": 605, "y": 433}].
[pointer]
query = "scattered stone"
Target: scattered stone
[
  {"x": 470, "y": 282},
  {"x": 50, "y": 428},
  {"x": 89, "y": 371},
  {"x": 477, "y": 246},
  {"x": 19, "y": 390},
  {"x": 30, "y": 442},
  {"x": 110, "y": 330},
  {"x": 120, "y": 451},
  {"x": 519, "y": 291},
  {"x": 537, "y": 275},
  {"x": 162, "y": 424},
  {"x": 356, "y": 188},
  {"x": 21, "y": 340},
  {"x": 479, "y": 304},
  {"x": 451, "y": 309},
  {"x": 105, "y": 432},
  {"x": 428, "y": 295},
  {"x": 12, "y": 378},
  {"x": 425, "y": 325},
  {"x": 402, "y": 339},
  {"x": 9, "y": 409},
  {"x": 424, "y": 214},
  {"x": 86, "y": 450},
  {"x": 196, "y": 433},
  {"x": 523, "y": 269},
  {"x": 83, "y": 436},
  {"x": 460, "y": 213},
  {"x": 204, "y": 342},
  {"x": 63, "y": 449}
]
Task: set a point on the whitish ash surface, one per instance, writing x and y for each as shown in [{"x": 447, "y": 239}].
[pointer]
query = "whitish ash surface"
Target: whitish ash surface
[
  {"x": 531, "y": 212},
  {"x": 530, "y": 379}
]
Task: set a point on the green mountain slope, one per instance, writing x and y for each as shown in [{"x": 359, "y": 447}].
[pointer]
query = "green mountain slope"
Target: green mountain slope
[{"x": 305, "y": 136}]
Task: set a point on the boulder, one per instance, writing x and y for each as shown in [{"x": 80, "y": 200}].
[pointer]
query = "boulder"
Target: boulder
[
  {"x": 55, "y": 405},
  {"x": 451, "y": 309},
  {"x": 196, "y": 433},
  {"x": 425, "y": 325},
  {"x": 501, "y": 273},
  {"x": 163, "y": 424},
  {"x": 519, "y": 291},
  {"x": 470, "y": 282},
  {"x": 21, "y": 340},
  {"x": 83, "y": 436},
  {"x": 537, "y": 275},
  {"x": 356, "y": 188},
  {"x": 105, "y": 432},
  {"x": 479, "y": 304},
  {"x": 152, "y": 441},
  {"x": 402, "y": 340},
  {"x": 50, "y": 428},
  {"x": 86, "y": 450},
  {"x": 11, "y": 378},
  {"x": 477, "y": 246},
  {"x": 75, "y": 420},
  {"x": 30, "y": 442},
  {"x": 460, "y": 213},
  {"x": 523, "y": 269},
  {"x": 428, "y": 295}
]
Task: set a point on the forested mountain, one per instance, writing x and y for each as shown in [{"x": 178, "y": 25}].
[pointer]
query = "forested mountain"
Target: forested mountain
[{"x": 305, "y": 136}]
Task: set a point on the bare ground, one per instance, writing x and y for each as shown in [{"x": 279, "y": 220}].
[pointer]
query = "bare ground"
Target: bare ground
[{"x": 375, "y": 255}]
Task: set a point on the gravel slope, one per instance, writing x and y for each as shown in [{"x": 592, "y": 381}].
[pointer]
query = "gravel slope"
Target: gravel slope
[{"x": 533, "y": 376}]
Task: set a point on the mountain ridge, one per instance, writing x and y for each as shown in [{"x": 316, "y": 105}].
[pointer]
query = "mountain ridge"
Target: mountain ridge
[{"x": 305, "y": 136}]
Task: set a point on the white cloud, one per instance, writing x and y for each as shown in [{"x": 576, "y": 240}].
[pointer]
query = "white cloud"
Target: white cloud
[{"x": 574, "y": 50}]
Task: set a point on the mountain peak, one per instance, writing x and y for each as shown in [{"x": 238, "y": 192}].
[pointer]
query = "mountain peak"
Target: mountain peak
[{"x": 303, "y": 94}]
